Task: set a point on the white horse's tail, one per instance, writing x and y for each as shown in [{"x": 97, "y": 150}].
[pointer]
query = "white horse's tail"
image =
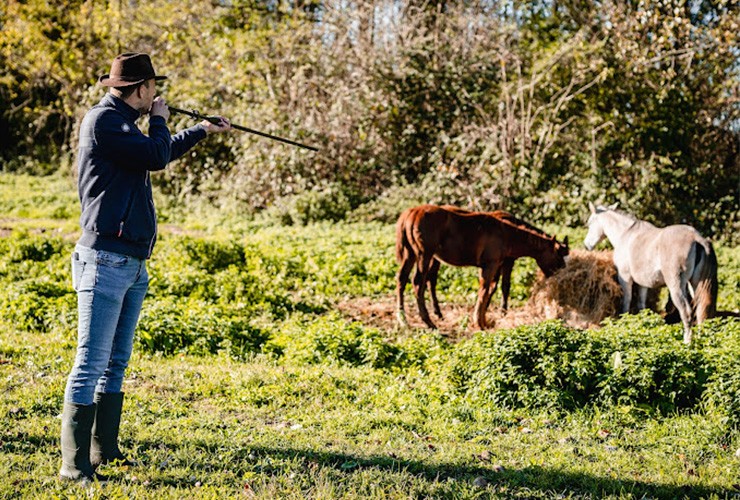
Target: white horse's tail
[{"x": 705, "y": 293}]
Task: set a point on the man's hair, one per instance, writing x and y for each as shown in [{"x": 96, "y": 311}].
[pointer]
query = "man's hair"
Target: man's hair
[{"x": 127, "y": 91}]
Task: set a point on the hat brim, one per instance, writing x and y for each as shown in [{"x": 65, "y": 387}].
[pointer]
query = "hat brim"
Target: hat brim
[{"x": 107, "y": 81}]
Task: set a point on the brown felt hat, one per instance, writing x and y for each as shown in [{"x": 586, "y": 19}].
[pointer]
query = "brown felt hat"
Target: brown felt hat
[{"x": 130, "y": 68}]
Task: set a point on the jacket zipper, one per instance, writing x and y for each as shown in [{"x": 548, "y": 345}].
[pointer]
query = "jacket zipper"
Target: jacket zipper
[{"x": 151, "y": 243}]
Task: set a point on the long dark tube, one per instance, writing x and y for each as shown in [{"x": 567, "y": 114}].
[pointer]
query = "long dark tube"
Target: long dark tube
[{"x": 217, "y": 121}]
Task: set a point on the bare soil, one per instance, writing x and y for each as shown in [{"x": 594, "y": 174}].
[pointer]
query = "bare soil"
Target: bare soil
[{"x": 457, "y": 322}]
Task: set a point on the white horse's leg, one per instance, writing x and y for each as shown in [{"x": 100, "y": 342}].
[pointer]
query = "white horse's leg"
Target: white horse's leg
[
  {"x": 626, "y": 285},
  {"x": 680, "y": 299},
  {"x": 642, "y": 297}
]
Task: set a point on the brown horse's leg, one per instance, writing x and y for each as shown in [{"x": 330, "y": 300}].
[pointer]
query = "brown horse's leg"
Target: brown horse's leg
[
  {"x": 432, "y": 280},
  {"x": 487, "y": 286},
  {"x": 506, "y": 269},
  {"x": 420, "y": 278},
  {"x": 402, "y": 277},
  {"x": 672, "y": 315}
]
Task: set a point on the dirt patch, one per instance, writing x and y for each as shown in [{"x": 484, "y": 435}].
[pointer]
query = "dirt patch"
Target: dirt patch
[
  {"x": 582, "y": 294},
  {"x": 457, "y": 323}
]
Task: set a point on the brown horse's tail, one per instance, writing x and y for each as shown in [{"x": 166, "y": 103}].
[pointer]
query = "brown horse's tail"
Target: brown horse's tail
[
  {"x": 705, "y": 295},
  {"x": 403, "y": 246}
]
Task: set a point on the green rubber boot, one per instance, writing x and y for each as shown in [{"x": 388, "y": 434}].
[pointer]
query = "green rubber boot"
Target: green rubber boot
[
  {"x": 77, "y": 421},
  {"x": 104, "y": 447}
]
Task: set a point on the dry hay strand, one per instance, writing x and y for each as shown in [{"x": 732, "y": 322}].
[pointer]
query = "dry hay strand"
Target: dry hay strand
[{"x": 583, "y": 293}]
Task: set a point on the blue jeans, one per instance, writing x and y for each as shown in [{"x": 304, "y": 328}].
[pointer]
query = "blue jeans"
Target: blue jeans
[{"x": 110, "y": 291}]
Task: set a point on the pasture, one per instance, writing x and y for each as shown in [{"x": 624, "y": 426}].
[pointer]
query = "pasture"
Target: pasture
[{"x": 268, "y": 365}]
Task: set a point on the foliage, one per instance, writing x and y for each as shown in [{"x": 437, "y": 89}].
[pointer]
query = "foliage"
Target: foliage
[
  {"x": 248, "y": 379},
  {"x": 544, "y": 365},
  {"x": 634, "y": 361},
  {"x": 37, "y": 296},
  {"x": 320, "y": 203},
  {"x": 269, "y": 296},
  {"x": 174, "y": 325},
  {"x": 212, "y": 427},
  {"x": 32, "y": 198},
  {"x": 329, "y": 339},
  {"x": 535, "y": 107},
  {"x": 722, "y": 394}
]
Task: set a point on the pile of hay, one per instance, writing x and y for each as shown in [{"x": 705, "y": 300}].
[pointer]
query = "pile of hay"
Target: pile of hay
[{"x": 583, "y": 293}]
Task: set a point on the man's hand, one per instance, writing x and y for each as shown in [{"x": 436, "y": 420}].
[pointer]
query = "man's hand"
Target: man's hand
[
  {"x": 159, "y": 108},
  {"x": 212, "y": 128}
]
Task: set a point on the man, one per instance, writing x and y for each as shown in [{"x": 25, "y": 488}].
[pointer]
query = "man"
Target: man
[{"x": 119, "y": 228}]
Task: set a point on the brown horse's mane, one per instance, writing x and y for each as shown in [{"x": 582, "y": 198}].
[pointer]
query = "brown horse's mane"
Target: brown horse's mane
[
  {"x": 532, "y": 235},
  {"x": 521, "y": 224},
  {"x": 507, "y": 219}
]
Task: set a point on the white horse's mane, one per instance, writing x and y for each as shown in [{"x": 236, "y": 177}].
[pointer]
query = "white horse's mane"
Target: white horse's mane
[{"x": 601, "y": 209}]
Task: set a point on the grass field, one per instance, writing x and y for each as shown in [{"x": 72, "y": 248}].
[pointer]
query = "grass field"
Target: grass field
[{"x": 265, "y": 369}]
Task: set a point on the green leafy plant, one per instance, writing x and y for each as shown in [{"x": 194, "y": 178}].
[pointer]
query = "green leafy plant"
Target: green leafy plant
[{"x": 174, "y": 325}]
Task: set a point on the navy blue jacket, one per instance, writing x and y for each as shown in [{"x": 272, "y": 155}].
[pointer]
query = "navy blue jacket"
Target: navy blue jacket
[{"x": 114, "y": 161}]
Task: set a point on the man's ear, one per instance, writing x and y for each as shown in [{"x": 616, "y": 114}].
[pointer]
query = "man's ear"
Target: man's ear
[{"x": 138, "y": 89}]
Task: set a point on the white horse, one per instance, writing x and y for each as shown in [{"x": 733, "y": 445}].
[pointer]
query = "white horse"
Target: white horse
[{"x": 650, "y": 257}]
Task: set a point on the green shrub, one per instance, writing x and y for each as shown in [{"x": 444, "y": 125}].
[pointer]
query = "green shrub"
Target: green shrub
[
  {"x": 329, "y": 339},
  {"x": 326, "y": 202},
  {"x": 183, "y": 282},
  {"x": 424, "y": 352},
  {"x": 173, "y": 325},
  {"x": 543, "y": 365},
  {"x": 721, "y": 338},
  {"x": 39, "y": 306},
  {"x": 22, "y": 246},
  {"x": 650, "y": 365},
  {"x": 37, "y": 291},
  {"x": 209, "y": 255},
  {"x": 636, "y": 360},
  {"x": 218, "y": 273}
]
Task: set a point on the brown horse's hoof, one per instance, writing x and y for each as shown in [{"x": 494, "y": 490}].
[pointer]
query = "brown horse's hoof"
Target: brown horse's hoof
[
  {"x": 483, "y": 327},
  {"x": 430, "y": 324}
]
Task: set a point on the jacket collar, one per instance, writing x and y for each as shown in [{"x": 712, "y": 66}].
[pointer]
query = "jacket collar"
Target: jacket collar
[{"x": 109, "y": 100}]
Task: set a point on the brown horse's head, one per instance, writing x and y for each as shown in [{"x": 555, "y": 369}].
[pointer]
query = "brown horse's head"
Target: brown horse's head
[{"x": 553, "y": 257}]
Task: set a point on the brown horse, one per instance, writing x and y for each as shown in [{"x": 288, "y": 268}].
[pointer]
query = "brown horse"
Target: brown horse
[
  {"x": 428, "y": 234},
  {"x": 506, "y": 268}
]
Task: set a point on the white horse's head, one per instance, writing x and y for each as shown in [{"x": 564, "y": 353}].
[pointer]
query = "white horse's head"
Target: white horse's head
[{"x": 595, "y": 225}]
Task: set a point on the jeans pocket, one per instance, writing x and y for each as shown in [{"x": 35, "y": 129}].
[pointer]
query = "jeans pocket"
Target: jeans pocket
[
  {"x": 78, "y": 273},
  {"x": 110, "y": 259}
]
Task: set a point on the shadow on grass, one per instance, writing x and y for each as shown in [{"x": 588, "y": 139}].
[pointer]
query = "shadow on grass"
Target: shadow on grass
[{"x": 530, "y": 482}]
